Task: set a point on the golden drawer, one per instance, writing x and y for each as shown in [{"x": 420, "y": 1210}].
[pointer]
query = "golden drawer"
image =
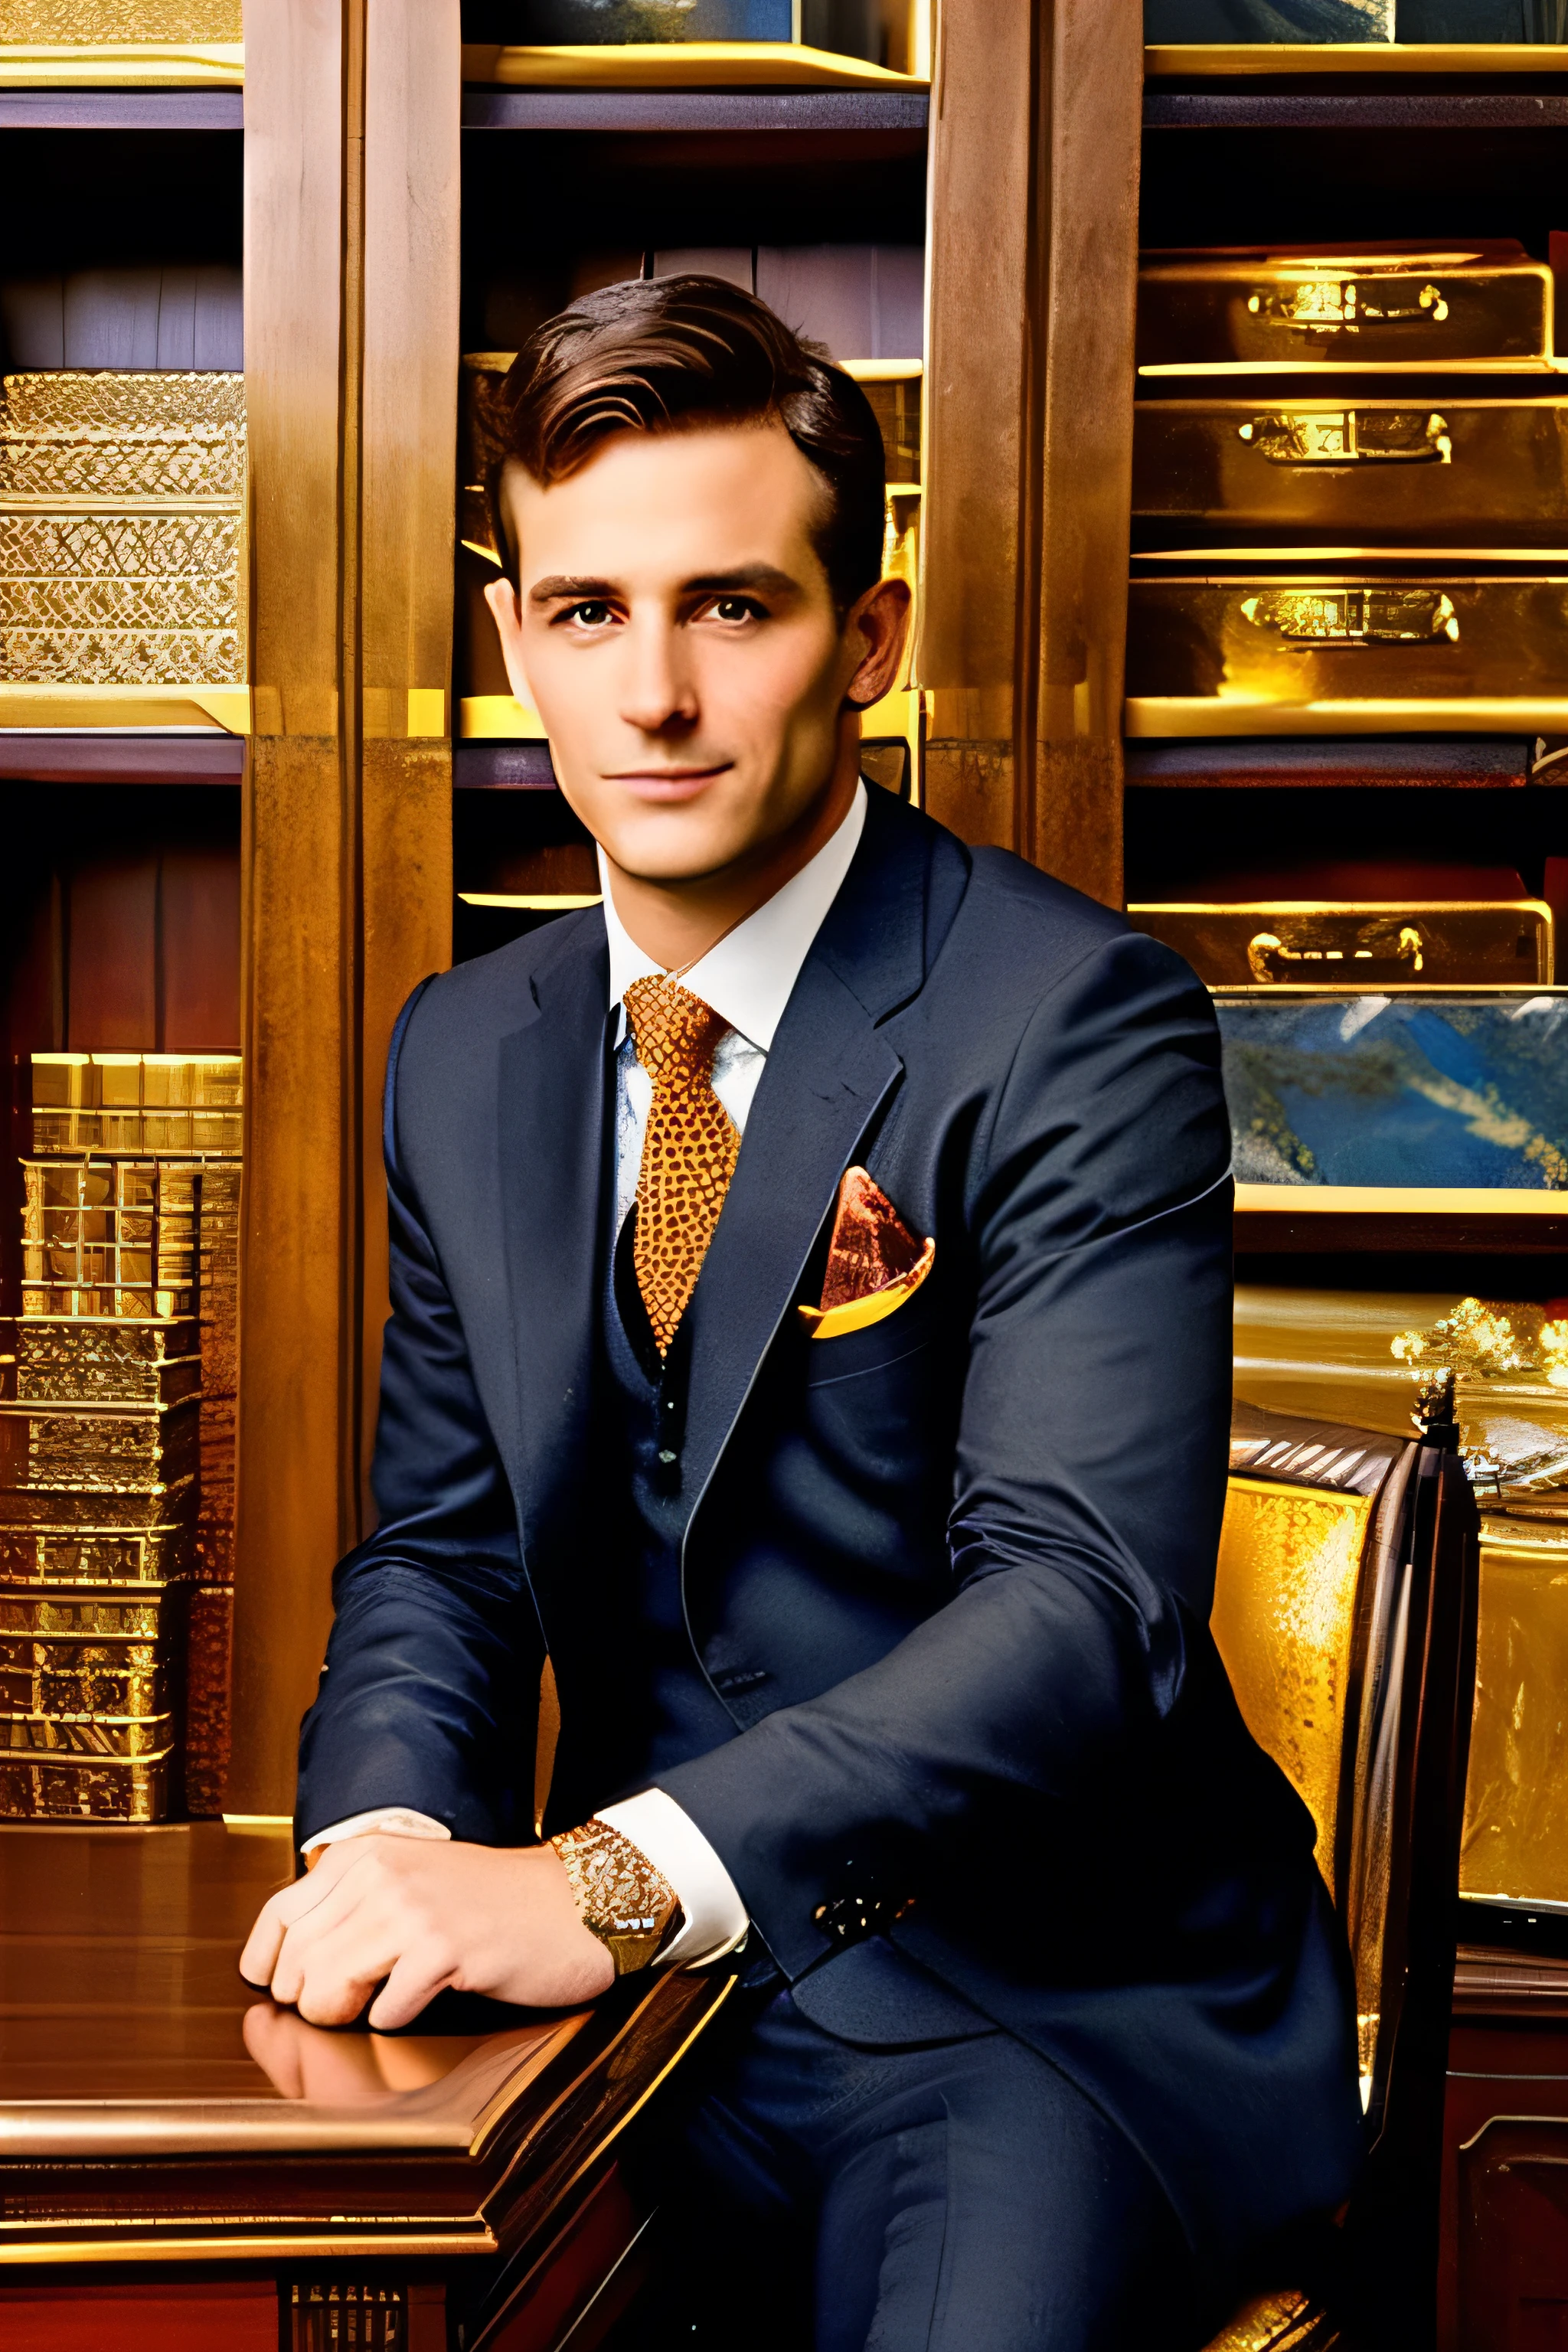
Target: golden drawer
[
  {"x": 1394, "y": 943},
  {"x": 1419, "y": 473},
  {"x": 1254, "y": 652},
  {"x": 1466, "y": 308}
]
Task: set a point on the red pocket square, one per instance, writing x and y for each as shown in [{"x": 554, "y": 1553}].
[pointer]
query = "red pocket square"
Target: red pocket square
[{"x": 871, "y": 1246}]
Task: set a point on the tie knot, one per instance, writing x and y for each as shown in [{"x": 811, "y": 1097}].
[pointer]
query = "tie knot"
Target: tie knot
[{"x": 674, "y": 1032}]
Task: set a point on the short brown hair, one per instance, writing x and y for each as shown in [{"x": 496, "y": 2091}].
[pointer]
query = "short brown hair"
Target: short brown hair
[{"x": 652, "y": 354}]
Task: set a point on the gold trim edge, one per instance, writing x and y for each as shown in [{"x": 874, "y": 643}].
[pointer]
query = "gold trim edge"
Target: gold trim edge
[
  {"x": 123, "y": 65},
  {"x": 322, "y": 2245},
  {"x": 1232, "y": 60},
  {"x": 1149, "y": 716},
  {"x": 1399, "y": 1200}
]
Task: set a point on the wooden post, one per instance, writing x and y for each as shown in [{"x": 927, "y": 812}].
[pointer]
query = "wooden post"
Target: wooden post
[
  {"x": 1035, "y": 122},
  {"x": 412, "y": 196},
  {"x": 352, "y": 112},
  {"x": 297, "y": 1503}
]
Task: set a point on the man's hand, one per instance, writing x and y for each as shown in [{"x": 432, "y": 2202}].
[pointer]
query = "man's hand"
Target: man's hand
[{"x": 423, "y": 1916}]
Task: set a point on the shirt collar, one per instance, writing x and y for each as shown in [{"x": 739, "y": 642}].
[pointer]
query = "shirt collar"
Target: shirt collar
[{"x": 748, "y": 976}]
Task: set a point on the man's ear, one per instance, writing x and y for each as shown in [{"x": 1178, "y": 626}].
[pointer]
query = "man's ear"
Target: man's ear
[
  {"x": 881, "y": 620},
  {"x": 505, "y": 611}
]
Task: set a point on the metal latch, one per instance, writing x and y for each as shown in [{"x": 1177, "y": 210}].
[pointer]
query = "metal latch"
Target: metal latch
[
  {"x": 1337, "y": 305},
  {"x": 1354, "y": 616},
  {"x": 1266, "y": 949},
  {"x": 1345, "y": 437}
]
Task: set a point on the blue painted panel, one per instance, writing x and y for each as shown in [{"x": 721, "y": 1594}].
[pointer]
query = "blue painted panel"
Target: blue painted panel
[
  {"x": 1268, "y": 20},
  {"x": 1399, "y": 1090}
]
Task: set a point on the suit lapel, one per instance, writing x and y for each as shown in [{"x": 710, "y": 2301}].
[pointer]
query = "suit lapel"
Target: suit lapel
[
  {"x": 828, "y": 1072},
  {"x": 553, "y": 1148}
]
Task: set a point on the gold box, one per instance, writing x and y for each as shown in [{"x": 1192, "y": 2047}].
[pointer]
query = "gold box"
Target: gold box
[
  {"x": 125, "y": 1449},
  {"x": 64, "y": 1081},
  {"x": 1463, "y": 309},
  {"x": 134, "y": 1790},
  {"x": 51, "y": 1676},
  {"x": 123, "y": 557},
  {"x": 86, "y": 1735},
  {"x": 1386, "y": 944},
  {"x": 75, "y": 1612},
  {"x": 96, "y": 1510},
  {"x": 1260, "y": 647},
  {"x": 60, "y": 1299},
  {"x": 73, "y": 1361},
  {"x": 1417, "y": 473}
]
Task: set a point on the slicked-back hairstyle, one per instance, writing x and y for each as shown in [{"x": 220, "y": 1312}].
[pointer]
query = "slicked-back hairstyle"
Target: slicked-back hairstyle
[{"x": 655, "y": 355}]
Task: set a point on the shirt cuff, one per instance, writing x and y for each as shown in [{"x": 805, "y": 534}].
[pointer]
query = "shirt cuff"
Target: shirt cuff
[
  {"x": 715, "y": 1919},
  {"x": 389, "y": 1821}
]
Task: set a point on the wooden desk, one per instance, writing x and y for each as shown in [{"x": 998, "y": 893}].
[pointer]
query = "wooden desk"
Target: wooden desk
[{"x": 178, "y": 2155}]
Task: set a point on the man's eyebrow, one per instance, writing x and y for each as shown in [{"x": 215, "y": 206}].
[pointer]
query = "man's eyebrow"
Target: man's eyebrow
[
  {"x": 562, "y": 583},
  {"x": 746, "y": 575}
]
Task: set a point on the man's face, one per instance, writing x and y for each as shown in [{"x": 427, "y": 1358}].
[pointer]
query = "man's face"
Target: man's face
[{"x": 675, "y": 631}]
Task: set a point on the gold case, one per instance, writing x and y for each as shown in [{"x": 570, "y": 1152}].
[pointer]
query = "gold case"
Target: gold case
[
  {"x": 1256, "y": 651},
  {"x": 122, "y": 522},
  {"x": 1474, "y": 472},
  {"x": 1268, "y": 314},
  {"x": 1390, "y": 943}
]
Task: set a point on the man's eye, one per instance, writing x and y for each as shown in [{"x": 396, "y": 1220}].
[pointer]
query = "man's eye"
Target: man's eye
[
  {"x": 734, "y": 608},
  {"x": 593, "y": 614}
]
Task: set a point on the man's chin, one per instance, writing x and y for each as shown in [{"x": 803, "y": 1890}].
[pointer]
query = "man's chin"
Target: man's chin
[{"x": 673, "y": 847}]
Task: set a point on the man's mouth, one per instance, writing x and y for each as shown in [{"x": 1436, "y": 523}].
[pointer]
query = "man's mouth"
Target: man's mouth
[{"x": 670, "y": 785}]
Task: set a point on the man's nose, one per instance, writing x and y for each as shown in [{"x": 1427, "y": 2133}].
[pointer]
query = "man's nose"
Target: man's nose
[{"x": 658, "y": 692}]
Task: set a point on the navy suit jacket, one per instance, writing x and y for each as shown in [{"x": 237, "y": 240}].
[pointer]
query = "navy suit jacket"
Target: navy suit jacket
[{"x": 949, "y": 1574}]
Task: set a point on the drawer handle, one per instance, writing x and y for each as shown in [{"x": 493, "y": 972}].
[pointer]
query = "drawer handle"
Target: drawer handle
[
  {"x": 1336, "y": 305},
  {"x": 1354, "y": 616},
  {"x": 1264, "y": 950},
  {"x": 1349, "y": 437}
]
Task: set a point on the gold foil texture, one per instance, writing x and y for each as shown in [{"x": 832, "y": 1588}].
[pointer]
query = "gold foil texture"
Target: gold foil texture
[{"x": 122, "y": 554}]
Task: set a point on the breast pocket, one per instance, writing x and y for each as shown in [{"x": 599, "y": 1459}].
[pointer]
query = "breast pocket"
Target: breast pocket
[{"x": 877, "y": 1400}]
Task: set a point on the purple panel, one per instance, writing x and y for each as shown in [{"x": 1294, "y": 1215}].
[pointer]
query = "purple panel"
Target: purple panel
[{"x": 88, "y": 757}]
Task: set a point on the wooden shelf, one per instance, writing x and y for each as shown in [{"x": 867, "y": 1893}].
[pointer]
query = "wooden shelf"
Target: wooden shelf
[
  {"x": 97, "y": 756},
  {"x": 121, "y": 110},
  {"x": 1249, "y": 60},
  {"x": 111, "y": 65},
  {"x": 902, "y": 110},
  {"x": 678, "y": 65},
  {"x": 1275, "y": 108},
  {"x": 1330, "y": 1219},
  {"x": 497, "y": 767},
  {"x": 1485, "y": 762}
]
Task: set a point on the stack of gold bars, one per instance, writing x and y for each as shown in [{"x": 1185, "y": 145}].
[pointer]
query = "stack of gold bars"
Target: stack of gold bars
[
  {"x": 117, "y": 1442},
  {"x": 122, "y": 502}
]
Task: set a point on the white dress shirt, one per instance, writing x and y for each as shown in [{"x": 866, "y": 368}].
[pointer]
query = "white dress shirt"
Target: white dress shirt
[{"x": 747, "y": 980}]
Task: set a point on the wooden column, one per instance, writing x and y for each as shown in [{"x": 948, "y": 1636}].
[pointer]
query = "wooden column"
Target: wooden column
[
  {"x": 298, "y": 1459},
  {"x": 412, "y": 196},
  {"x": 1032, "y": 236},
  {"x": 352, "y": 112}
]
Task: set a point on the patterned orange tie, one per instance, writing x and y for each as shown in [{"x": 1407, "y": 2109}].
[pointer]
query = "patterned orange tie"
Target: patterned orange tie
[{"x": 689, "y": 1146}]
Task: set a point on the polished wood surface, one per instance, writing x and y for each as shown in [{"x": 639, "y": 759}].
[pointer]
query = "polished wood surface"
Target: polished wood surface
[
  {"x": 297, "y": 1497},
  {"x": 982, "y": 147},
  {"x": 411, "y": 194},
  {"x": 1078, "y": 407},
  {"x": 156, "y": 2107}
]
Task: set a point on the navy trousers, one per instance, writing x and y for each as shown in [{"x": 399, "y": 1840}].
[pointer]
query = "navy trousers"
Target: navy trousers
[{"x": 958, "y": 2196}]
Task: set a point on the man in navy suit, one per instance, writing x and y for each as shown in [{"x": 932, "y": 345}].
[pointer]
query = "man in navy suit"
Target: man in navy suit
[{"x": 810, "y": 1335}]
